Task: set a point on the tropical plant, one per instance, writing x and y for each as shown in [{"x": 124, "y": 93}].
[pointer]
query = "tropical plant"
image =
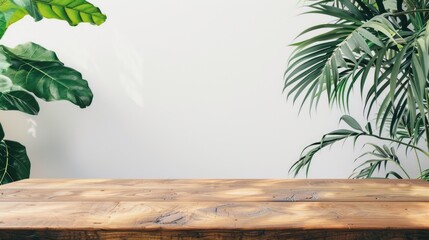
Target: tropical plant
[
  {"x": 381, "y": 48},
  {"x": 29, "y": 70}
]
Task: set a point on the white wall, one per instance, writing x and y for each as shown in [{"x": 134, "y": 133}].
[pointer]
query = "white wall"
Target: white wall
[{"x": 183, "y": 89}]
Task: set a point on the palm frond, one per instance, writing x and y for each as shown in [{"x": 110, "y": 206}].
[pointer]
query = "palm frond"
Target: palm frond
[
  {"x": 326, "y": 62},
  {"x": 381, "y": 47},
  {"x": 379, "y": 158}
]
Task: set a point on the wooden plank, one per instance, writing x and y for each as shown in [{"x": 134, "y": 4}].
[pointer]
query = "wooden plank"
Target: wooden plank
[
  {"x": 35, "y": 190},
  {"x": 212, "y": 183},
  {"x": 184, "y": 216},
  {"x": 211, "y": 209},
  {"x": 216, "y": 235}
]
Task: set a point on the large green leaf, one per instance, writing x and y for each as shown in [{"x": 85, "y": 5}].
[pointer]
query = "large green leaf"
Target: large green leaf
[
  {"x": 52, "y": 81},
  {"x": 5, "y": 84},
  {"x": 33, "y": 52},
  {"x": 3, "y": 24},
  {"x": 48, "y": 79},
  {"x": 4, "y": 61},
  {"x": 73, "y": 11},
  {"x": 19, "y": 100},
  {"x": 14, "y": 162},
  {"x": 30, "y": 7},
  {"x": 11, "y": 11}
]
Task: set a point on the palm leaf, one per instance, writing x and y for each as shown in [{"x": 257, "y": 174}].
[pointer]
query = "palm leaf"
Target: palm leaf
[{"x": 319, "y": 59}]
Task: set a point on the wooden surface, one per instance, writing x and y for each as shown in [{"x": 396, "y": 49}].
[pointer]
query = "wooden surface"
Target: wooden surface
[{"x": 214, "y": 209}]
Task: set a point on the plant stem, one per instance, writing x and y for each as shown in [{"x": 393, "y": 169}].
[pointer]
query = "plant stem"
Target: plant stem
[
  {"x": 425, "y": 120},
  {"x": 398, "y": 142},
  {"x": 381, "y": 6},
  {"x": 404, "y": 20},
  {"x": 403, "y": 170},
  {"x": 407, "y": 12}
]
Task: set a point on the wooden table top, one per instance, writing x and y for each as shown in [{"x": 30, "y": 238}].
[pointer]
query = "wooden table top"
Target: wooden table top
[{"x": 72, "y": 209}]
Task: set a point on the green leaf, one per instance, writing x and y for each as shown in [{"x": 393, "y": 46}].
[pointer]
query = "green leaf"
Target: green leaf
[
  {"x": 371, "y": 37},
  {"x": 368, "y": 127},
  {"x": 4, "y": 61},
  {"x": 349, "y": 39},
  {"x": 395, "y": 71},
  {"x": 361, "y": 44},
  {"x": 353, "y": 9},
  {"x": 11, "y": 11},
  {"x": 1, "y": 133},
  {"x": 72, "y": 11},
  {"x": 19, "y": 100},
  {"x": 52, "y": 81},
  {"x": 3, "y": 24},
  {"x": 30, "y": 7},
  {"x": 351, "y": 122},
  {"x": 348, "y": 52},
  {"x": 379, "y": 157},
  {"x": 328, "y": 139},
  {"x": 33, "y": 52},
  {"x": 365, "y": 38},
  {"x": 5, "y": 84},
  {"x": 47, "y": 80},
  {"x": 425, "y": 175},
  {"x": 14, "y": 162}
]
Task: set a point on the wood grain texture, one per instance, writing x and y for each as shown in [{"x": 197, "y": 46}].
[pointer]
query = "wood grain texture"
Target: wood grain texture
[
  {"x": 216, "y": 190},
  {"x": 201, "y": 215},
  {"x": 104, "y": 209}
]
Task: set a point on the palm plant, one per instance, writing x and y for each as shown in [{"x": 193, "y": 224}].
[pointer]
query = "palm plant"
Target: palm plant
[{"x": 380, "y": 48}]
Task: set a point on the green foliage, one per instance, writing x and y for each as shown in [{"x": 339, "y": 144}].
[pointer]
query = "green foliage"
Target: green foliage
[
  {"x": 425, "y": 175},
  {"x": 29, "y": 70},
  {"x": 19, "y": 100},
  {"x": 12, "y": 12},
  {"x": 382, "y": 49},
  {"x": 379, "y": 157},
  {"x": 14, "y": 161},
  {"x": 39, "y": 71},
  {"x": 72, "y": 11}
]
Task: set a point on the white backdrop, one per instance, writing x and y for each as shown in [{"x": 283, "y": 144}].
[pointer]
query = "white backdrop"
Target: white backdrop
[{"x": 182, "y": 89}]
